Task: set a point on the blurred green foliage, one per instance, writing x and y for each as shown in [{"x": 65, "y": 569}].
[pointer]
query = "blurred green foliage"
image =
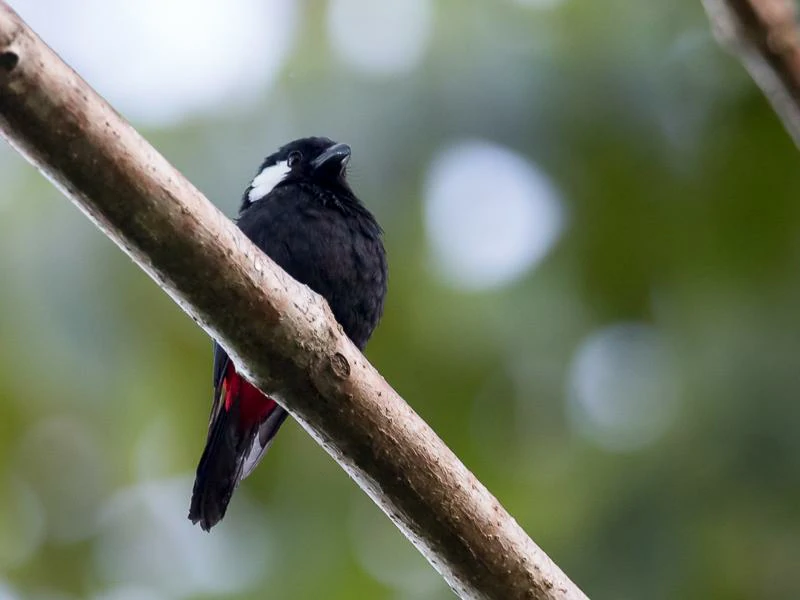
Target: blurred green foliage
[{"x": 681, "y": 195}]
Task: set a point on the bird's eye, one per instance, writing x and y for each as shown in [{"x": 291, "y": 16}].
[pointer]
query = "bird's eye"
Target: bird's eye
[{"x": 294, "y": 159}]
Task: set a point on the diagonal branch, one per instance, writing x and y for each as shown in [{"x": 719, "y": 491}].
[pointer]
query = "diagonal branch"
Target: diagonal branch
[
  {"x": 765, "y": 37},
  {"x": 279, "y": 333}
]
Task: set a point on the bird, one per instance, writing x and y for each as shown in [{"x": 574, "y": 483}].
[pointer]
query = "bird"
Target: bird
[{"x": 299, "y": 210}]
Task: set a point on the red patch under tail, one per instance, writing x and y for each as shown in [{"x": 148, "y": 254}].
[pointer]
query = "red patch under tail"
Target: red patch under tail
[{"x": 254, "y": 406}]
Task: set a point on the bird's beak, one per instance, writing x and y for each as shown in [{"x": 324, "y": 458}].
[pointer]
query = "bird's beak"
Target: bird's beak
[{"x": 338, "y": 155}]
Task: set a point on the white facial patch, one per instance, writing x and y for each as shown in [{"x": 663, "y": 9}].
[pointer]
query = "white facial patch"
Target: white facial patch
[{"x": 266, "y": 181}]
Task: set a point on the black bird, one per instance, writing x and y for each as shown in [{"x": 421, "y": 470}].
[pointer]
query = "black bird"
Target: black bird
[{"x": 299, "y": 209}]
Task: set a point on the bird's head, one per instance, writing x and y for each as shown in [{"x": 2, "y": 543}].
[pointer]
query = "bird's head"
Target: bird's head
[{"x": 316, "y": 160}]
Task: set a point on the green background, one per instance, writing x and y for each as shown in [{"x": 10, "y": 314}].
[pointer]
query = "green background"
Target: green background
[{"x": 679, "y": 251}]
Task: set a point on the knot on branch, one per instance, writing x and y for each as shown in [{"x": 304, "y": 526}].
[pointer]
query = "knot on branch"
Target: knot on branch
[
  {"x": 340, "y": 366},
  {"x": 8, "y": 60}
]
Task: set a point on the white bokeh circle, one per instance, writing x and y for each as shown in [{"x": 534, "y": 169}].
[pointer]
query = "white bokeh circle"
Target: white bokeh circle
[
  {"x": 490, "y": 214},
  {"x": 380, "y": 38},
  {"x": 623, "y": 387},
  {"x": 145, "y": 540},
  {"x": 159, "y": 62}
]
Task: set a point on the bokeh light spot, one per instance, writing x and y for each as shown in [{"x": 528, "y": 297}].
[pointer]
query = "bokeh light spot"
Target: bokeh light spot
[
  {"x": 67, "y": 469},
  {"x": 490, "y": 214},
  {"x": 158, "y": 62},
  {"x": 146, "y": 539},
  {"x": 623, "y": 387},
  {"x": 540, "y": 4},
  {"x": 6, "y": 593},
  {"x": 22, "y": 524},
  {"x": 380, "y": 38},
  {"x": 386, "y": 555},
  {"x": 130, "y": 592}
]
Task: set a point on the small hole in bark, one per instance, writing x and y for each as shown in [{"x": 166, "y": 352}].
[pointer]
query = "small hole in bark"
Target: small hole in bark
[{"x": 8, "y": 60}]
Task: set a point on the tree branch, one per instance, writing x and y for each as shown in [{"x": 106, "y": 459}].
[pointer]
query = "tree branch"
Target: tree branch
[
  {"x": 764, "y": 35},
  {"x": 278, "y": 332}
]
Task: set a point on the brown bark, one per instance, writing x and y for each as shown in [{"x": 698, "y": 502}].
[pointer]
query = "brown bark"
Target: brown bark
[
  {"x": 764, "y": 35},
  {"x": 279, "y": 333}
]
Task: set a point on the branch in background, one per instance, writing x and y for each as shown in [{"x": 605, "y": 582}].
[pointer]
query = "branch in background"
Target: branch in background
[
  {"x": 764, "y": 35},
  {"x": 278, "y": 332}
]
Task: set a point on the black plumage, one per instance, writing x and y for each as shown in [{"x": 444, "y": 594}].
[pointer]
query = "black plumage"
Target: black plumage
[{"x": 301, "y": 211}]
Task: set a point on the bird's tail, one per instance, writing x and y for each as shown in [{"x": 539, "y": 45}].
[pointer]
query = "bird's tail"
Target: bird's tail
[
  {"x": 244, "y": 421},
  {"x": 220, "y": 468}
]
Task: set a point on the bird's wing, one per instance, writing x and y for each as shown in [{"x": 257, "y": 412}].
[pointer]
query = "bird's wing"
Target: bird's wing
[
  {"x": 221, "y": 361},
  {"x": 266, "y": 433}
]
